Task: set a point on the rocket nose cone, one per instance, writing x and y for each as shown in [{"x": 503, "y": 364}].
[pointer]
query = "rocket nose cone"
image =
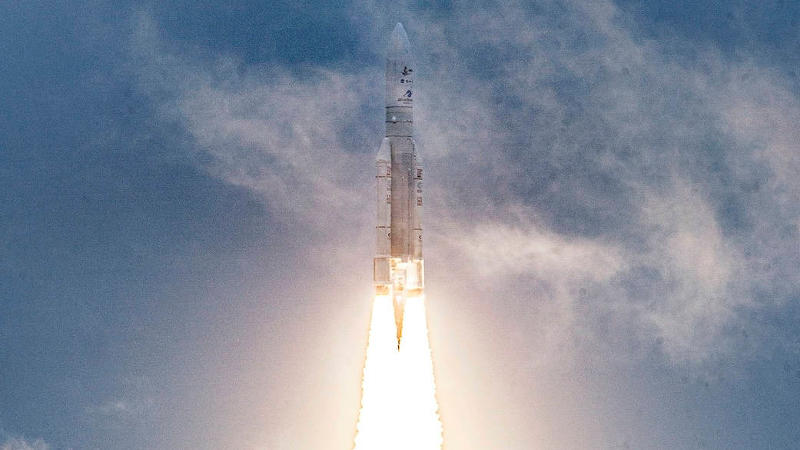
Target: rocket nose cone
[{"x": 398, "y": 43}]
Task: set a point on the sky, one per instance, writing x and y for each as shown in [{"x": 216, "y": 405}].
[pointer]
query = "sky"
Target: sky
[{"x": 187, "y": 212}]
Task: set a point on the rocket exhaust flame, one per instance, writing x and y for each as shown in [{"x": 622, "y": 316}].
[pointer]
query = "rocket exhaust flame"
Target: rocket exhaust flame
[
  {"x": 398, "y": 404},
  {"x": 421, "y": 414},
  {"x": 376, "y": 419}
]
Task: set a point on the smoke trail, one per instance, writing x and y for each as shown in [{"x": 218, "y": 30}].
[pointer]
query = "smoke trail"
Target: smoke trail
[{"x": 398, "y": 404}]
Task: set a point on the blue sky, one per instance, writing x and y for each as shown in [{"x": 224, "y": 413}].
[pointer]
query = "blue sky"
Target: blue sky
[{"x": 611, "y": 221}]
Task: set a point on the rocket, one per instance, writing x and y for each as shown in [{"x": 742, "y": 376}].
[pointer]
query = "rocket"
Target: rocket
[{"x": 398, "y": 265}]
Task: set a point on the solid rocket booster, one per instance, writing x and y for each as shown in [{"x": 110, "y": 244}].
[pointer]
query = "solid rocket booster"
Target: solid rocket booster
[{"x": 398, "y": 265}]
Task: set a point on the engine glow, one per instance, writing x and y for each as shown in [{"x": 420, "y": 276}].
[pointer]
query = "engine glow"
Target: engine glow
[{"x": 398, "y": 403}]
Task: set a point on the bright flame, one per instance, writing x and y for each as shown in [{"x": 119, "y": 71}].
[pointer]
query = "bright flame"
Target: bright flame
[{"x": 398, "y": 403}]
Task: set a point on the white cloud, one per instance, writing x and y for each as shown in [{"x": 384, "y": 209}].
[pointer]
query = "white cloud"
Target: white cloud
[
  {"x": 760, "y": 111},
  {"x": 497, "y": 249},
  {"x": 697, "y": 266},
  {"x": 563, "y": 149},
  {"x": 135, "y": 403},
  {"x": 22, "y": 444}
]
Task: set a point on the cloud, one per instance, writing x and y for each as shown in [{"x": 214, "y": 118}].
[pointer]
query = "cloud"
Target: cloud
[
  {"x": 296, "y": 141},
  {"x": 696, "y": 267},
  {"x": 123, "y": 410},
  {"x": 500, "y": 249},
  {"x": 567, "y": 152},
  {"x": 620, "y": 144},
  {"x": 22, "y": 444},
  {"x": 136, "y": 403}
]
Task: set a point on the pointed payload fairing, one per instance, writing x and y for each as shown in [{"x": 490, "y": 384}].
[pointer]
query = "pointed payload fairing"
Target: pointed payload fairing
[{"x": 398, "y": 265}]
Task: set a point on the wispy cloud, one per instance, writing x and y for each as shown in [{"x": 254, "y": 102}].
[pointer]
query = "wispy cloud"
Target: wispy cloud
[
  {"x": 23, "y": 444},
  {"x": 565, "y": 149},
  {"x": 135, "y": 403}
]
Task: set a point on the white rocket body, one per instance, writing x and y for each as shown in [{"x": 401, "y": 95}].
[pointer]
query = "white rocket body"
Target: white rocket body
[{"x": 398, "y": 265}]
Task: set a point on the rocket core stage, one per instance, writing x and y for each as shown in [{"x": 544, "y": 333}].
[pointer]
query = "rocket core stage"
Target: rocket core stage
[{"x": 398, "y": 264}]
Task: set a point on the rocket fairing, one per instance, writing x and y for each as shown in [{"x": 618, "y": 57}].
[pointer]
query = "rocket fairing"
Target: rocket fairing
[{"x": 398, "y": 264}]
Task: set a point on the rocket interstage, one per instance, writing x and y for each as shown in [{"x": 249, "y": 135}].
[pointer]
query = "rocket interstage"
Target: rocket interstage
[{"x": 398, "y": 264}]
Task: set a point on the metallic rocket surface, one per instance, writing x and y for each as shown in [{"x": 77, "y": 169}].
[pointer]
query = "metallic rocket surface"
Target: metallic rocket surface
[{"x": 398, "y": 265}]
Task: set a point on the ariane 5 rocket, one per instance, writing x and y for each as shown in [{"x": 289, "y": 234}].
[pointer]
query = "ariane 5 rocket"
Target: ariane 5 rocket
[{"x": 398, "y": 265}]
